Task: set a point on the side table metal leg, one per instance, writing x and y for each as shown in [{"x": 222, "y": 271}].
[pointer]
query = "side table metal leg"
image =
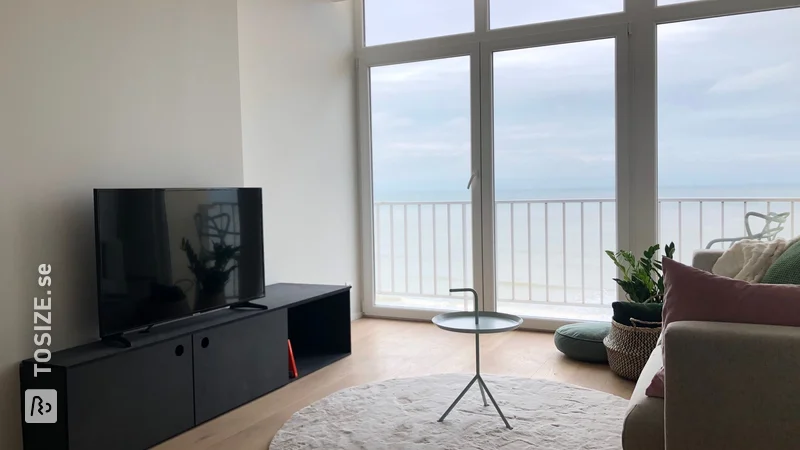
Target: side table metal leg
[
  {"x": 478, "y": 365},
  {"x": 482, "y": 383},
  {"x": 441, "y": 419}
]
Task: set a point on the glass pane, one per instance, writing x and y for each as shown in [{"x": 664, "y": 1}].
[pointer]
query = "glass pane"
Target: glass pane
[
  {"x": 388, "y": 21},
  {"x": 729, "y": 141},
  {"x": 421, "y": 147},
  {"x": 509, "y": 13},
  {"x": 555, "y": 146}
]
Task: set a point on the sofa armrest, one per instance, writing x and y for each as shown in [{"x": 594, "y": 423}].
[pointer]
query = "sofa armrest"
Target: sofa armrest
[
  {"x": 731, "y": 386},
  {"x": 705, "y": 259}
]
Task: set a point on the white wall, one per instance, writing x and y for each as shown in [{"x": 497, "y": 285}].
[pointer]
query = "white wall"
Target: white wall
[
  {"x": 99, "y": 93},
  {"x": 298, "y": 124}
]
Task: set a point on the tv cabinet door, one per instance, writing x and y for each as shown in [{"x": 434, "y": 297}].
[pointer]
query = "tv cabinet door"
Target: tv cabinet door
[
  {"x": 133, "y": 400},
  {"x": 238, "y": 362}
]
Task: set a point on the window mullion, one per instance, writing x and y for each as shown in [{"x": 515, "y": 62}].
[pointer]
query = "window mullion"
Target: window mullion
[
  {"x": 642, "y": 173},
  {"x": 481, "y": 17}
]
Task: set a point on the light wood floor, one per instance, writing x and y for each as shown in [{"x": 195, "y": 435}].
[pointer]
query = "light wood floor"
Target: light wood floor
[{"x": 384, "y": 349}]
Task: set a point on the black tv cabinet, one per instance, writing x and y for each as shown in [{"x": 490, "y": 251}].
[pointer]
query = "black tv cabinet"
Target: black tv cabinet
[{"x": 182, "y": 374}]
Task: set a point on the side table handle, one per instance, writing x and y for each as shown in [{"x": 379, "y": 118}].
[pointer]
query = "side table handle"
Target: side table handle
[{"x": 474, "y": 293}]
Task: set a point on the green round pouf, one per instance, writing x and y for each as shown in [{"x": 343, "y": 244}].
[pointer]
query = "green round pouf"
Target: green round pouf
[{"x": 583, "y": 341}]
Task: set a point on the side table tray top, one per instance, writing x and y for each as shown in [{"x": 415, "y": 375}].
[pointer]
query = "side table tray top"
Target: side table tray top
[{"x": 476, "y": 322}]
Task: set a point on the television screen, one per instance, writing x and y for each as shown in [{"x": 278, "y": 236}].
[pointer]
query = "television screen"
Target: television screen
[{"x": 164, "y": 254}]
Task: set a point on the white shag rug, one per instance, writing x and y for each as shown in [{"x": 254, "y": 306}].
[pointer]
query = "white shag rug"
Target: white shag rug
[{"x": 403, "y": 414}]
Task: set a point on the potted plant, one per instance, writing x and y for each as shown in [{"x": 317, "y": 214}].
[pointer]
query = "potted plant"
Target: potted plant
[
  {"x": 643, "y": 278},
  {"x": 636, "y": 324}
]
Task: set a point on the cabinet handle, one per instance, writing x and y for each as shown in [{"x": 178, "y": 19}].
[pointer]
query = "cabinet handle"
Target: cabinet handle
[
  {"x": 179, "y": 350},
  {"x": 204, "y": 342}
]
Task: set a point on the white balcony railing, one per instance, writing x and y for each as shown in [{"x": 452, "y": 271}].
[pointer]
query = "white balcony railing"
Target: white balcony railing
[{"x": 546, "y": 251}]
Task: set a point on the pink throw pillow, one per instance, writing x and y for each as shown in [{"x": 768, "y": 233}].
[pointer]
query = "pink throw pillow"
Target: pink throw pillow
[{"x": 693, "y": 294}]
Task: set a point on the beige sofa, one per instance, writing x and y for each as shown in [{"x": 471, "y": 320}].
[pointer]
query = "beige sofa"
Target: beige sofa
[{"x": 727, "y": 387}]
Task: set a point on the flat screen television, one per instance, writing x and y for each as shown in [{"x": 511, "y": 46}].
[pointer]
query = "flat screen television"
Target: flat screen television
[{"x": 166, "y": 254}]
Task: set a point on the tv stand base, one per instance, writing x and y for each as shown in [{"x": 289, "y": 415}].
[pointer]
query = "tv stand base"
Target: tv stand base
[
  {"x": 102, "y": 386},
  {"x": 249, "y": 305},
  {"x": 117, "y": 340}
]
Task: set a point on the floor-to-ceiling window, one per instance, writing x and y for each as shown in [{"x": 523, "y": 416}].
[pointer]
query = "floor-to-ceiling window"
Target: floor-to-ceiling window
[
  {"x": 729, "y": 144},
  {"x": 507, "y": 143}
]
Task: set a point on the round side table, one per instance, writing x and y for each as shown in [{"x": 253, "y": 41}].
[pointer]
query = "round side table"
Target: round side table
[{"x": 477, "y": 323}]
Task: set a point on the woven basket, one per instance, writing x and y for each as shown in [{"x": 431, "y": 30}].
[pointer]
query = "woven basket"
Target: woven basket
[{"x": 629, "y": 348}]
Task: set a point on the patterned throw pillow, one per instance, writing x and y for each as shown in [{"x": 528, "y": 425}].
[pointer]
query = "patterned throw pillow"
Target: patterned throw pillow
[{"x": 786, "y": 269}]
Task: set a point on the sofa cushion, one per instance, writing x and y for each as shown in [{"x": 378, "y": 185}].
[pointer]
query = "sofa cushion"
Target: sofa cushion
[
  {"x": 786, "y": 269},
  {"x": 644, "y": 422},
  {"x": 693, "y": 294},
  {"x": 583, "y": 341}
]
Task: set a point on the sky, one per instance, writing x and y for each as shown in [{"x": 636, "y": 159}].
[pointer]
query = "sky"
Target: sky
[{"x": 729, "y": 103}]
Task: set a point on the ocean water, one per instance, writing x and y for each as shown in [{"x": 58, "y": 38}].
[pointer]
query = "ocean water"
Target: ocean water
[{"x": 548, "y": 253}]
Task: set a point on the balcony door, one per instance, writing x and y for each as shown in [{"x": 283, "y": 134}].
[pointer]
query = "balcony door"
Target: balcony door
[
  {"x": 423, "y": 135},
  {"x": 552, "y": 128}
]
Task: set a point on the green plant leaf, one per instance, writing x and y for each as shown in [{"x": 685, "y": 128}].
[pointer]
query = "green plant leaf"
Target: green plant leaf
[
  {"x": 642, "y": 279},
  {"x": 629, "y": 258},
  {"x": 670, "y": 250},
  {"x": 650, "y": 252},
  {"x": 617, "y": 263}
]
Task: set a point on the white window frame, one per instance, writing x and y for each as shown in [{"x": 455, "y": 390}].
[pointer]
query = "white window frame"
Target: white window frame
[
  {"x": 365, "y": 171},
  {"x": 620, "y": 34},
  {"x": 637, "y": 127}
]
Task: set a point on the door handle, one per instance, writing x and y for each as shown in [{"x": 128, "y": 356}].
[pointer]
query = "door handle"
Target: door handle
[{"x": 471, "y": 179}]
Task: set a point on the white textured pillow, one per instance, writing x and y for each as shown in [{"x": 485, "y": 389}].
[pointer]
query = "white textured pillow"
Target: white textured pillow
[{"x": 749, "y": 259}]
